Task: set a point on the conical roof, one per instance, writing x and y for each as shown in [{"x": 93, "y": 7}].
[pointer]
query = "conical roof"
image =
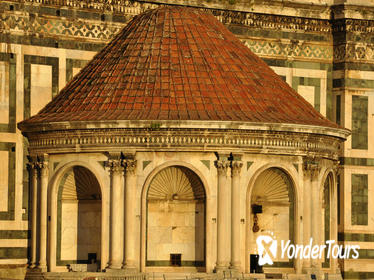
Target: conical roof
[{"x": 178, "y": 63}]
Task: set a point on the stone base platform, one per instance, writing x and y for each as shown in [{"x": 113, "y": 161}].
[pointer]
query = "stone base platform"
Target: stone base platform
[
  {"x": 123, "y": 275},
  {"x": 118, "y": 275}
]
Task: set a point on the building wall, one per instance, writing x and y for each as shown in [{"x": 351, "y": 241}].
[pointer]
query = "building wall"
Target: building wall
[{"x": 325, "y": 51}]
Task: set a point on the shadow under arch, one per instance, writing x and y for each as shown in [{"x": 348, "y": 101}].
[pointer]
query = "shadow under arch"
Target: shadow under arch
[
  {"x": 179, "y": 190},
  {"x": 53, "y": 196},
  {"x": 327, "y": 195},
  {"x": 288, "y": 174}
]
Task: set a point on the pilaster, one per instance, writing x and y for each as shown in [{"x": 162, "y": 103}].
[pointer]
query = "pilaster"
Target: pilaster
[
  {"x": 236, "y": 166},
  {"x": 117, "y": 212},
  {"x": 44, "y": 171},
  {"x": 130, "y": 213},
  {"x": 223, "y": 214}
]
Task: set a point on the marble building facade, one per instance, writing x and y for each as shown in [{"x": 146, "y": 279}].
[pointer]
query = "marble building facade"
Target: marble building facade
[{"x": 324, "y": 51}]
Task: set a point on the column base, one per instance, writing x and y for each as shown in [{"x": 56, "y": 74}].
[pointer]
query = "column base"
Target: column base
[
  {"x": 223, "y": 269},
  {"x": 42, "y": 268},
  {"x": 113, "y": 268},
  {"x": 130, "y": 269},
  {"x": 235, "y": 266},
  {"x": 31, "y": 266}
]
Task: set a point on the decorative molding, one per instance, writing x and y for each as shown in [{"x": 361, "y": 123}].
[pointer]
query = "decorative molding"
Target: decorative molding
[
  {"x": 289, "y": 48},
  {"x": 250, "y": 19},
  {"x": 120, "y": 6},
  {"x": 104, "y": 140},
  {"x": 72, "y": 25}
]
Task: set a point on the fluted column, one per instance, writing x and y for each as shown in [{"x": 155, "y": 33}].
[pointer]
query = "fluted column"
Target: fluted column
[
  {"x": 312, "y": 211},
  {"x": 223, "y": 214},
  {"x": 130, "y": 215},
  {"x": 43, "y": 166},
  {"x": 116, "y": 217},
  {"x": 33, "y": 169},
  {"x": 236, "y": 167}
]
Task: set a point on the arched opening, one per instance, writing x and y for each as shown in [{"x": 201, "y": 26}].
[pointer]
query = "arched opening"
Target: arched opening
[
  {"x": 175, "y": 225},
  {"x": 79, "y": 220},
  {"x": 272, "y": 212},
  {"x": 326, "y": 215}
]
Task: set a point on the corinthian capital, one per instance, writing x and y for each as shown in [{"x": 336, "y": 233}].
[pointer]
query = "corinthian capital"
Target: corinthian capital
[
  {"x": 130, "y": 166},
  {"x": 42, "y": 165},
  {"x": 311, "y": 167},
  {"x": 236, "y": 167},
  {"x": 115, "y": 166},
  {"x": 222, "y": 166},
  {"x": 32, "y": 165}
]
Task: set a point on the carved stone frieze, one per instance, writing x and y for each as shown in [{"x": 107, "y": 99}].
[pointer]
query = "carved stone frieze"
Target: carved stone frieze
[
  {"x": 107, "y": 140},
  {"x": 105, "y": 30}
]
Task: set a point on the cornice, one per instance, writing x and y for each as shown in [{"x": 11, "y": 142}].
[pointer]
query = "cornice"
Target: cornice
[
  {"x": 180, "y": 124},
  {"x": 234, "y": 140}
]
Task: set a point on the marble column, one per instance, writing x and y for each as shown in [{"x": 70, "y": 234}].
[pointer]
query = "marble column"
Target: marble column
[
  {"x": 43, "y": 166},
  {"x": 334, "y": 214},
  {"x": 312, "y": 210},
  {"x": 116, "y": 217},
  {"x": 33, "y": 169},
  {"x": 236, "y": 167},
  {"x": 223, "y": 216},
  {"x": 130, "y": 216}
]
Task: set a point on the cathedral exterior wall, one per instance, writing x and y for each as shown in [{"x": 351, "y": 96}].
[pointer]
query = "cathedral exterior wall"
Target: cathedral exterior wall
[{"x": 324, "y": 51}]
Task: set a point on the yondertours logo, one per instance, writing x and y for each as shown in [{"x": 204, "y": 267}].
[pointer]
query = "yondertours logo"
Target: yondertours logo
[{"x": 267, "y": 247}]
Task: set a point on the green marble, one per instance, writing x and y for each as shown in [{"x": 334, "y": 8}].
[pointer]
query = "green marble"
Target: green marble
[{"x": 359, "y": 199}]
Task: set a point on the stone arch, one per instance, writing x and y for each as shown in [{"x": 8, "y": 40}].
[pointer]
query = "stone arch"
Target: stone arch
[
  {"x": 327, "y": 194},
  {"x": 53, "y": 193},
  {"x": 176, "y": 182},
  {"x": 279, "y": 188},
  {"x": 78, "y": 230},
  {"x": 180, "y": 192}
]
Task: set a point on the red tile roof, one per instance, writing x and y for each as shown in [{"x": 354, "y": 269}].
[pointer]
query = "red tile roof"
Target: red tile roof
[{"x": 178, "y": 63}]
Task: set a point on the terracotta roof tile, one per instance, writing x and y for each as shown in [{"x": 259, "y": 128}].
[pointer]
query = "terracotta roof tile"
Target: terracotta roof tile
[{"x": 178, "y": 63}]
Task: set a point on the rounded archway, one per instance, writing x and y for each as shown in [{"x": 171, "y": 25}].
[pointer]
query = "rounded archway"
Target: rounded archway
[
  {"x": 272, "y": 212},
  {"x": 327, "y": 222},
  {"x": 175, "y": 213},
  {"x": 79, "y": 219}
]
